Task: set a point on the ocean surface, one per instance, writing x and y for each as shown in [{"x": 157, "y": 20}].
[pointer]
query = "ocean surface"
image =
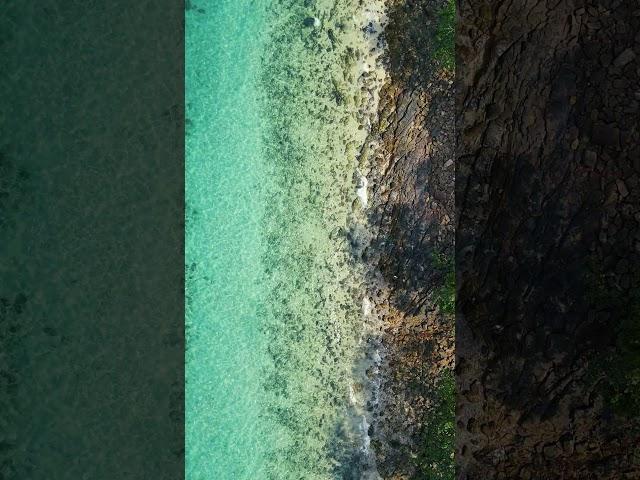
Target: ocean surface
[{"x": 274, "y": 293}]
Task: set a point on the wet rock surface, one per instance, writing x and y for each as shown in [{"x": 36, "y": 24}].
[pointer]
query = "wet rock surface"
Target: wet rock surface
[
  {"x": 547, "y": 240},
  {"x": 411, "y": 179}
]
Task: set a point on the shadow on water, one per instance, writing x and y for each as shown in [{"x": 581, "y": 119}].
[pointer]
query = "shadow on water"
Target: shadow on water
[{"x": 350, "y": 459}]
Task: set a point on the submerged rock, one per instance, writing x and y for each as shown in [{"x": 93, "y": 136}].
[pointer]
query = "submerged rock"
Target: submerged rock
[{"x": 312, "y": 22}]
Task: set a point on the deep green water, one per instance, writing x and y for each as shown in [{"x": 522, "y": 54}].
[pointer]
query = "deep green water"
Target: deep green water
[{"x": 274, "y": 317}]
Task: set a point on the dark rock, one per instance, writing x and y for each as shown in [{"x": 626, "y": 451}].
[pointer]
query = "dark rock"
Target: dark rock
[
  {"x": 590, "y": 158},
  {"x": 534, "y": 255},
  {"x": 625, "y": 57},
  {"x": 622, "y": 188},
  {"x": 311, "y": 22},
  {"x": 606, "y": 135}
]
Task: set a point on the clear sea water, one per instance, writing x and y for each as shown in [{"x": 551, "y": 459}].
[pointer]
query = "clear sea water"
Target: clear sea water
[
  {"x": 225, "y": 172},
  {"x": 273, "y": 296}
]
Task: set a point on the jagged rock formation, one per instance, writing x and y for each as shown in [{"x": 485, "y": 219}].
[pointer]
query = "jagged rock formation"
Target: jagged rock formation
[
  {"x": 414, "y": 191},
  {"x": 413, "y": 217},
  {"x": 547, "y": 239}
]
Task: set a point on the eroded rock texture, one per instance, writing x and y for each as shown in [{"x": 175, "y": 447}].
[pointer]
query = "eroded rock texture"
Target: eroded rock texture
[
  {"x": 412, "y": 215},
  {"x": 547, "y": 239},
  {"x": 415, "y": 201}
]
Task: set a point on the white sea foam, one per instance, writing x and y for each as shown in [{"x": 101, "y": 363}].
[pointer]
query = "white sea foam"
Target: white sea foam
[
  {"x": 362, "y": 190},
  {"x": 364, "y": 429},
  {"x": 376, "y": 357},
  {"x": 366, "y": 306},
  {"x": 352, "y": 396}
]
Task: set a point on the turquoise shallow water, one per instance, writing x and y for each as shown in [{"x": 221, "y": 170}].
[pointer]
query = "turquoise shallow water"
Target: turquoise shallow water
[
  {"x": 274, "y": 318},
  {"x": 225, "y": 175}
]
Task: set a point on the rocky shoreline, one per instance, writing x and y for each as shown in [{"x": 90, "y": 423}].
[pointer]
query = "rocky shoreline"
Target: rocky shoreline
[
  {"x": 408, "y": 163},
  {"x": 547, "y": 358}
]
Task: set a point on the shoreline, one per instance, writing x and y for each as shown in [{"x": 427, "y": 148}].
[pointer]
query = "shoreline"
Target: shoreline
[
  {"x": 321, "y": 101},
  {"x": 333, "y": 361},
  {"x": 408, "y": 348}
]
